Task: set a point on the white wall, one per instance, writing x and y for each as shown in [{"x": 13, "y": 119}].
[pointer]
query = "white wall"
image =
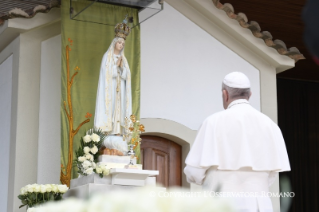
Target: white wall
[
  {"x": 49, "y": 112},
  {"x": 11, "y": 50},
  {"x": 182, "y": 68},
  {"x": 5, "y": 114},
  {"x": 25, "y": 144}
]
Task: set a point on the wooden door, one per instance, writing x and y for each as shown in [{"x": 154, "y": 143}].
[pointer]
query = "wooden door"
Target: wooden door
[{"x": 165, "y": 156}]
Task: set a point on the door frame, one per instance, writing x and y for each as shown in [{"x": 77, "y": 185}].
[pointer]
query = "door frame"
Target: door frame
[{"x": 175, "y": 132}]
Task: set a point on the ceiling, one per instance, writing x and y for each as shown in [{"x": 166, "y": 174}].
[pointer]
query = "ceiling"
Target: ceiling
[{"x": 283, "y": 20}]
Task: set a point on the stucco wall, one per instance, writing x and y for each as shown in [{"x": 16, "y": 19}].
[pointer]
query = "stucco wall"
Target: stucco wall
[
  {"x": 49, "y": 112},
  {"x": 182, "y": 69},
  {"x": 5, "y": 114},
  {"x": 11, "y": 50},
  {"x": 25, "y": 101}
]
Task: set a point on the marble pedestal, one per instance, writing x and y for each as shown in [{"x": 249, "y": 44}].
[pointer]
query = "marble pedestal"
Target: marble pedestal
[
  {"x": 114, "y": 161},
  {"x": 123, "y": 179},
  {"x": 87, "y": 190}
]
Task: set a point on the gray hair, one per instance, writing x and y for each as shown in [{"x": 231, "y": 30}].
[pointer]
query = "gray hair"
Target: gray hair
[{"x": 237, "y": 93}]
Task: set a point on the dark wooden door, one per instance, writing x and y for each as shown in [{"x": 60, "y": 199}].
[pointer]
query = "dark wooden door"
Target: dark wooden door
[{"x": 163, "y": 155}]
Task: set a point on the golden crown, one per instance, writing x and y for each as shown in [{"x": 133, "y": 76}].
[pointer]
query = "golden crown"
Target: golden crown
[{"x": 122, "y": 30}]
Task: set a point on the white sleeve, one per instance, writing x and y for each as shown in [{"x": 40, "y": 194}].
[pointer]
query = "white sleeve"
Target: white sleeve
[
  {"x": 272, "y": 177},
  {"x": 123, "y": 76},
  {"x": 194, "y": 174},
  {"x": 114, "y": 71}
]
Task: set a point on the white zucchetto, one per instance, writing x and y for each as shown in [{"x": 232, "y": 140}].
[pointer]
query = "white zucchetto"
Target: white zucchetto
[{"x": 236, "y": 80}]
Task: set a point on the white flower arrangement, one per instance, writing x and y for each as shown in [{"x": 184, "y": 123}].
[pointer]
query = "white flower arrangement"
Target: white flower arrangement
[
  {"x": 94, "y": 150},
  {"x": 35, "y": 194},
  {"x": 149, "y": 199},
  {"x": 95, "y": 137},
  {"x": 87, "y": 138},
  {"x": 88, "y": 154}
]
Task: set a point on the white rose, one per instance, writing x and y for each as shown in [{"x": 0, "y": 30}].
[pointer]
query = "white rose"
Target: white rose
[
  {"x": 95, "y": 137},
  {"x": 89, "y": 171},
  {"x": 36, "y": 188},
  {"x": 86, "y": 150},
  {"x": 87, "y": 139},
  {"x": 86, "y": 164},
  {"x": 49, "y": 188},
  {"x": 43, "y": 188},
  {"x": 89, "y": 157},
  {"x": 105, "y": 170},
  {"x": 62, "y": 188},
  {"x": 81, "y": 159},
  {"x": 99, "y": 170},
  {"x": 29, "y": 188},
  {"x": 94, "y": 150},
  {"x": 23, "y": 190},
  {"x": 54, "y": 188}
]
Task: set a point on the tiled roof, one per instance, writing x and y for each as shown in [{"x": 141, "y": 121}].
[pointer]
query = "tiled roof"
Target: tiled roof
[
  {"x": 24, "y": 8},
  {"x": 28, "y": 8},
  {"x": 254, "y": 27}
]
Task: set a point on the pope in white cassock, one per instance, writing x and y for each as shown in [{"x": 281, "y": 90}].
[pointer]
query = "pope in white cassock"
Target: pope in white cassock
[{"x": 238, "y": 149}]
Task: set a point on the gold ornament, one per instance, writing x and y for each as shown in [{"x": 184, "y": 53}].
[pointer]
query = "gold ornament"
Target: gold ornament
[
  {"x": 122, "y": 30},
  {"x": 141, "y": 128},
  {"x": 133, "y": 118}
]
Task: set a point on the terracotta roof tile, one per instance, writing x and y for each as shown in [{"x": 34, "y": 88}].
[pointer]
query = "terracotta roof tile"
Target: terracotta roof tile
[
  {"x": 254, "y": 27},
  {"x": 28, "y": 8}
]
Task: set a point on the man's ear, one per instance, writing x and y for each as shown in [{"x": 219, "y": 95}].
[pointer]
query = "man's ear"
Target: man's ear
[
  {"x": 225, "y": 94},
  {"x": 250, "y": 95}
]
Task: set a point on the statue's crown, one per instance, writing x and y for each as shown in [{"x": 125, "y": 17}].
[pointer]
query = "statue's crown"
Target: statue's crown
[{"x": 122, "y": 29}]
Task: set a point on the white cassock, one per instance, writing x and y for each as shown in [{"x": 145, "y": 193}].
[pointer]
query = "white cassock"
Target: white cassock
[{"x": 238, "y": 150}]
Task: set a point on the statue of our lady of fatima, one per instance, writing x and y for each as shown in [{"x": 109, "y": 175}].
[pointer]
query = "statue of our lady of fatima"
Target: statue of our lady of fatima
[{"x": 114, "y": 100}]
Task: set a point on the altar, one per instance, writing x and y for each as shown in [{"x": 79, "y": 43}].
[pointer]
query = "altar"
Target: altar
[{"x": 121, "y": 176}]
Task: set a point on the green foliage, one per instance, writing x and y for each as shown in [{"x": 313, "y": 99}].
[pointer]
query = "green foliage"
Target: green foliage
[{"x": 37, "y": 198}]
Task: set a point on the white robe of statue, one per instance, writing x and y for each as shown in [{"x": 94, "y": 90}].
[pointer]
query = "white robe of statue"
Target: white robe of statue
[
  {"x": 113, "y": 100},
  {"x": 238, "y": 150}
]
